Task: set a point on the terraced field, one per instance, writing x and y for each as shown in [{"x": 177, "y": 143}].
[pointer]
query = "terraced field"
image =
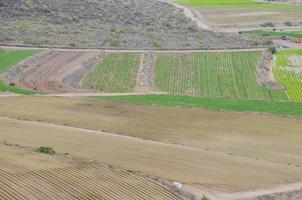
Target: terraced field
[
  {"x": 288, "y": 71},
  {"x": 26, "y": 175},
  {"x": 116, "y": 73},
  {"x": 213, "y": 75}
]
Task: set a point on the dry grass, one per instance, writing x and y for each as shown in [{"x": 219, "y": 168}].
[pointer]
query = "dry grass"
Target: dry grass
[
  {"x": 28, "y": 175},
  {"x": 251, "y": 135}
]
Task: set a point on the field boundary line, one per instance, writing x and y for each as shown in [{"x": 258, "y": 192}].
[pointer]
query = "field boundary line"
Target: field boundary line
[{"x": 129, "y": 50}]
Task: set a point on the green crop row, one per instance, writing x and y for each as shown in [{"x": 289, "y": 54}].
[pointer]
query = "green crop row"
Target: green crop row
[
  {"x": 213, "y": 75},
  {"x": 116, "y": 73},
  {"x": 288, "y": 72}
]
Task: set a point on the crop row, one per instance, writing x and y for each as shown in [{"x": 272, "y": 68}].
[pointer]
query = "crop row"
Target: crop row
[
  {"x": 288, "y": 72},
  {"x": 213, "y": 75},
  {"x": 116, "y": 73},
  {"x": 84, "y": 181}
]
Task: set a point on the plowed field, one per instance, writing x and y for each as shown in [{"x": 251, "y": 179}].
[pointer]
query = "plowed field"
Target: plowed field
[{"x": 47, "y": 72}]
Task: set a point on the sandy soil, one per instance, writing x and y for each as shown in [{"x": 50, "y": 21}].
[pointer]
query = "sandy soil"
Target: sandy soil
[
  {"x": 48, "y": 72},
  {"x": 265, "y": 74},
  {"x": 145, "y": 76},
  {"x": 173, "y": 162},
  {"x": 29, "y": 175}
]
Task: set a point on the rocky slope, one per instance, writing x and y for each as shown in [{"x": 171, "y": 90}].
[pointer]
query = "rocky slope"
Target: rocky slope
[{"x": 104, "y": 23}]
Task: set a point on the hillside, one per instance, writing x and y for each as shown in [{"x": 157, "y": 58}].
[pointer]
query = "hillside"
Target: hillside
[{"x": 106, "y": 23}]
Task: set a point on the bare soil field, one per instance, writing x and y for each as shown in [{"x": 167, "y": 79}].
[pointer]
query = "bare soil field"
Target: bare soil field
[
  {"x": 27, "y": 175},
  {"x": 51, "y": 71},
  {"x": 256, "y": 136},
  {"x": 200, "y": 168}
]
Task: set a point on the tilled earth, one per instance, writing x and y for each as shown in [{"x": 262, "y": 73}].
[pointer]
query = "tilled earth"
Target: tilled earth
[{"x": 105, "y": 23}]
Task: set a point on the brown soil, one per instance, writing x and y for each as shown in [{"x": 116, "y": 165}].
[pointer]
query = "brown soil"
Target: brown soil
[
  {"x": 46, "y": 71},
  {"x": 145, "y": 76},
  {"x": 27, "y": 175},
  {"x": 265, "y": 74}
]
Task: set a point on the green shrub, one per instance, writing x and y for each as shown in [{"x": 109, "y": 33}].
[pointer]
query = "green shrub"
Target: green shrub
[
  {"x": 204, "y": 198},
  {"x": 46, "y": 150},
  {"x": 273, "y": 50}
]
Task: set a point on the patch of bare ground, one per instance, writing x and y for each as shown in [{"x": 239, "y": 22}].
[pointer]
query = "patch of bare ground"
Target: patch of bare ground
[
  {"x": 25, "y": 175},
  {"x": 265, "y": 74},
  {"x": 47, "y": 71},
  {"x": 145, "y": 75},
  {"x": 291, "y": 195}
]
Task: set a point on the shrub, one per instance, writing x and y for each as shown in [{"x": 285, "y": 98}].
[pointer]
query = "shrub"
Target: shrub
[
  {"x": 288, "y": 24},
  {"x": 268, "y": 24},
  {"x": 204, "y": 198},
  {"x": 273, "y": 50},
  {"x": 46, "y": 150},
  {"x": 268, "y": 43}
]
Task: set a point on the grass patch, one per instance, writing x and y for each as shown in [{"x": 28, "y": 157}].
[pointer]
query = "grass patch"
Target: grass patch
[
  {"x": 276, "y": 108},
  {"x": 293, "y": 34},
  {"x": 13, "y": 89},
  {"x": 9, "y": 59}
]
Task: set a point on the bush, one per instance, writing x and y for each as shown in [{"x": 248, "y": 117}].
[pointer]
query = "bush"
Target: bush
[
  {"x": 268, "y": 24},
  {"x": 46, "y": 150},
  {"x": 204, "y": 198},
  {"x": 288, "y": 24},
  {"x": 273, "y": 50},
  {"x": 113, "y": 41},
  {"x": 268, "y": 43}
]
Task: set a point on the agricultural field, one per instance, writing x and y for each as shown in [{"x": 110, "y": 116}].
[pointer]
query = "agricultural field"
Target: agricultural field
[
  {"x": 265, "y": 33},
  {"x": 7, "y": 60},
  {"x": 225, "y": 15},
  {"x": 288, "y": 71},
  {"x": 213, "y": 75},
  {"x": 248, "y": 134},
  {"x": 53, "y": 71},
  {"x": 27, "y": 175},
  {"x": 116, "y": 73},
  {"x": 197, "y": 167}
]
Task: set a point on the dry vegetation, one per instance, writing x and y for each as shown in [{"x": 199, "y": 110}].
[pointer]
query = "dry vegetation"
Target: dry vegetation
[
  {"x": 249, "y": 135},
  {"x": 187, "y": 165},
  {"x": 106, "y": 23},
  {"x": 26, "y": 175}
]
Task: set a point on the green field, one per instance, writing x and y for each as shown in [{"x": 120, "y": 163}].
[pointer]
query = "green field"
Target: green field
[
  {"x": 276, "y": 108},
  {"x": 216, "y": 2},
  {"x": 293, "y": 34},
  {"x": 288, "y": 72},
  {"x": 238, "y": 14},
  {"x": 116, "y": 73},
  {"x": 7, "y": 60},
  {"x": 213, "y": 75}
]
